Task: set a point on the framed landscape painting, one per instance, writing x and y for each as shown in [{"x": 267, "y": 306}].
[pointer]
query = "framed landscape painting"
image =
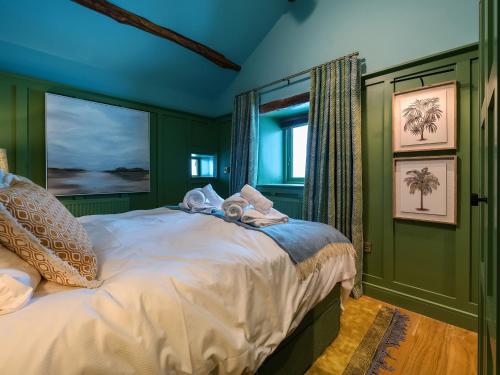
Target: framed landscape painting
[
  {"x": 425, "y": 188},
  {"x": 425, "y": 118},
  {"x": 95, "y": 148}
]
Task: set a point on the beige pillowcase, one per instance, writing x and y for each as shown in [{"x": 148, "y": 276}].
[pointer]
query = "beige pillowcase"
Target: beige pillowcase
[
  {"x": 38, "y": 228},
  {"x": 18, "y": 281}
]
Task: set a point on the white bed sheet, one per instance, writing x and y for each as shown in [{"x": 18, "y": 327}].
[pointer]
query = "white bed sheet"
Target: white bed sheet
[{"x": 182, "y": 294}]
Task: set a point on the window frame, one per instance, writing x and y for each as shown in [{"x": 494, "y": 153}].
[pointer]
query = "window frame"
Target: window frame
[
  {"x": 288, "y": 126},
  {"x": 199, "y": 156}
]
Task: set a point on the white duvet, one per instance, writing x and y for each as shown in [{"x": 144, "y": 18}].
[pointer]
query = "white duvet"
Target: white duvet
[{"x": 182, "y": 294}]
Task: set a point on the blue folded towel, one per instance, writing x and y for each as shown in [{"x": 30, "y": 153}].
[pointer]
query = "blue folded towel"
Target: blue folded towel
[{"x": 300, "y": 239}]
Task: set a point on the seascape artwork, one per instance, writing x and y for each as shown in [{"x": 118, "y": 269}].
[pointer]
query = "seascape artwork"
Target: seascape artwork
[{"x": 95, "y": 148}]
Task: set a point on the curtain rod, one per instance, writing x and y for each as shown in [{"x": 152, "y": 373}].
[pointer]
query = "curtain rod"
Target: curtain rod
[{"x": 291, "y": 76}]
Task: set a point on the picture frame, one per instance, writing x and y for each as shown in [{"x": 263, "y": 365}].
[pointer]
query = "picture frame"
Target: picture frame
[
  {"x": 94, "y": 148},
  {"x": 425, "y": 119},
  {"x": 425, "y": 189}
]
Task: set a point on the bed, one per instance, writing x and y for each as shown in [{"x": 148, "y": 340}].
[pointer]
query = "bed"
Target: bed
[{"x": 181, "y": 294}]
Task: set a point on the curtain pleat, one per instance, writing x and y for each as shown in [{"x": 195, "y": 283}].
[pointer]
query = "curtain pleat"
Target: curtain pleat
[
  {"x": 244, "y": 142},
  {"x": 333, "y": 186}
]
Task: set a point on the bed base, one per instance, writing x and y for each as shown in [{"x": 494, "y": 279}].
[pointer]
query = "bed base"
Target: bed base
[{"x": 303, "y": 346}]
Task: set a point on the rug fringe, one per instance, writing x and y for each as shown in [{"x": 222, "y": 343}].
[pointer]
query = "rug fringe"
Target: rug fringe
[
  {"x": 396, "y": 333},
  {"x": 313, "y": 263}
]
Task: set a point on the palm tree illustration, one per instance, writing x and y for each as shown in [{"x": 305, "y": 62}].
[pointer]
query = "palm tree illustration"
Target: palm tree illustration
[
  {"x": 422, "y": 115},
  {"x": 423, "y": 181}
]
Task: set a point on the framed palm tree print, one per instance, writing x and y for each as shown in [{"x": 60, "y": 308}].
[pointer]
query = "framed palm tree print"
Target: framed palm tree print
[
  {"x": 425, "y": 189},
  {"x": 425, "y": 118}
]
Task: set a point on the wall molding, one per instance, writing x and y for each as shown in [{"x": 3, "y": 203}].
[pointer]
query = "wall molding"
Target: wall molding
[
  {"x": 473, "y": 47},
  {"x": 422, "y": 306}
]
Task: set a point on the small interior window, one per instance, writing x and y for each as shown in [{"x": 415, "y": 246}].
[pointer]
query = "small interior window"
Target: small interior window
[
  {"x": 283, "y": 132},
  {"x": 203, "y": 165}
]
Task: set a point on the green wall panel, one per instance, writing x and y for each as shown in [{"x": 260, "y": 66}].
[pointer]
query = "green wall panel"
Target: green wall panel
[
  {"x": 373, "y": 153},
  {"x": 7, "y": 120},
  {"x": 173, "y": 156},
  {"x": 36, "y": 135},
  {"x": 202, "y": 137},
  {"x": 474, "y": 184},
  {"x": 428, "y": 268},
  {"x": 224, "y": 125},
  {"x": 174, "y": 135},
  {"x": 424, "y": 257}
]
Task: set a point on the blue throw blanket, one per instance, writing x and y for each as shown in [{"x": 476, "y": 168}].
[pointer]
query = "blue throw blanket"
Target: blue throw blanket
[{"x": 300, "y": 239}]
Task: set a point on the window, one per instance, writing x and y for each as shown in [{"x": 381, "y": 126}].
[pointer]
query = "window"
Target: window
[
  {"x": 203, "y": 166},
  {"x": 296, "y": 150},
  {"x": 283, "y": 142}
]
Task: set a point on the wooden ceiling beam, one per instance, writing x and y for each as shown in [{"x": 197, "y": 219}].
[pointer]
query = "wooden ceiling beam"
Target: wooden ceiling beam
[
  {"x": 284, "y": 103},
  {"x": 128, "y": 18}
]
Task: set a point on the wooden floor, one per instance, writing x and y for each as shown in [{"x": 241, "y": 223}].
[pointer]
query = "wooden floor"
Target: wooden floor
[{"x": 433, "y": 348}]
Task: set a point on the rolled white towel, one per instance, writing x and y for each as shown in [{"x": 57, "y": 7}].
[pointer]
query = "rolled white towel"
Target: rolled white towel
[
  {"x": 256, "y": 199},
  {"x": 194, "y": 200},
  {"x": 233, "y": 212},
  {"x": 234, "y": 206},
  {"x": 258, "y": 219},
  {"x": 213, "y": 198},
  {"x": 235, "y": 199}
]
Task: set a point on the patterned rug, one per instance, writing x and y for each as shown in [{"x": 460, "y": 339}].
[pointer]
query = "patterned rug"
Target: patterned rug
[{"x": 367, "y": 330}]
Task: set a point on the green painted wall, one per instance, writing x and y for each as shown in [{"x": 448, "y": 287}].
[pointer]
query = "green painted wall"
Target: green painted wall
[
  {"x": 428, "y": 268},
  {"x": 174, "y": 135}
]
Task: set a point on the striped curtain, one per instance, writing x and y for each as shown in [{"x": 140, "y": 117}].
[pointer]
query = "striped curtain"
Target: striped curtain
[
  {"x": 333, "y": 186},
  {"x": 244, "y": 141}
]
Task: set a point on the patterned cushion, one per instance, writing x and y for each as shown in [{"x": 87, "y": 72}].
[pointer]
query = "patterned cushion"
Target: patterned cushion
[{"x": 38, "y": 228}]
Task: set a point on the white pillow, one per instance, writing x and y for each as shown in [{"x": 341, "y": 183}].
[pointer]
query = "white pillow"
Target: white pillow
[
  {"x": 6, "y": 179},
  {"x": 18, "y": 281}
]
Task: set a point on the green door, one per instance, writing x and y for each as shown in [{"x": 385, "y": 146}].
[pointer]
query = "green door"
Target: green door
[{"x": 487, "y": 198}]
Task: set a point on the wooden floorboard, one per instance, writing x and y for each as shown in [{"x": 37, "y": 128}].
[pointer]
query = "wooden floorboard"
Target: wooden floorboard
[{"x": 433, "y": 348}]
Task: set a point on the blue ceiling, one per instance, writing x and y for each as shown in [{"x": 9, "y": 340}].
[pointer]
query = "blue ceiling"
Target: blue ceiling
[{"x": 62, "y": 41}]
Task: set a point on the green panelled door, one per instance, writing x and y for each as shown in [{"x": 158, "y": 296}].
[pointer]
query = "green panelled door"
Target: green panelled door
[{"x": 487, "y": 199}]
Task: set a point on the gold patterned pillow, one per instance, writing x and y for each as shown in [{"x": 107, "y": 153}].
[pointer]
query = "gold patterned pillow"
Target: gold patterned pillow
[{"x": 39, "y": 229}]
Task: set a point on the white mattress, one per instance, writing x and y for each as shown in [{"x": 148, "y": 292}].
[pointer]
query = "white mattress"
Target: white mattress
[{"x": 182, "y": 294}]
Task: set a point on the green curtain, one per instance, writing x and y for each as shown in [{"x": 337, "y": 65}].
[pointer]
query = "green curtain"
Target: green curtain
[
  {"x": 244, "y": 141},
  {"x": 333, "y": 186}
]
